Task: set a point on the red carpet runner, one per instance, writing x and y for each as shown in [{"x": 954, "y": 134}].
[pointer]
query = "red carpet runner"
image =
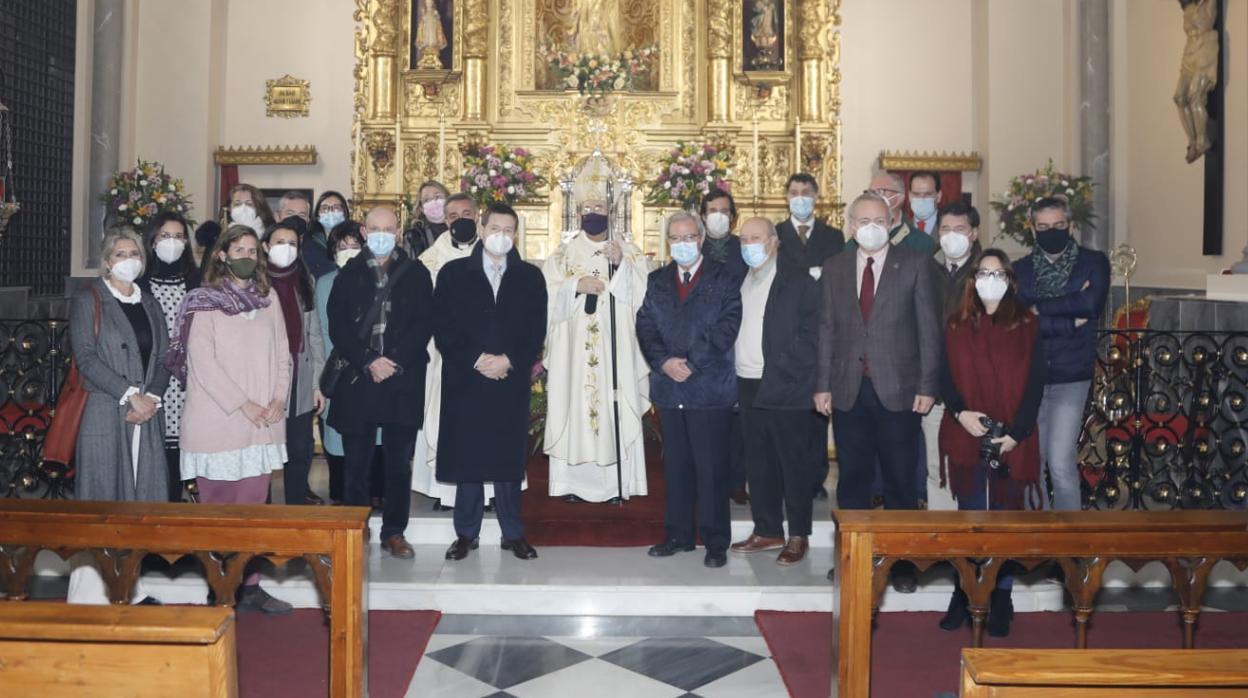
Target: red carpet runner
[
  {"x": 288, "y": 657},
  {"x": 911, "y": 656},
  {"x": 552, "y": 521}
]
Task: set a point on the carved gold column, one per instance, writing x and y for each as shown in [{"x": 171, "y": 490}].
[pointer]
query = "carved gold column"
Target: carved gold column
[
  {"x": 812, "y": 20},
  {"x": 719, "y": 56},
  {"x": 383, "y": 58},
  {"x": 476, "y": 27}
]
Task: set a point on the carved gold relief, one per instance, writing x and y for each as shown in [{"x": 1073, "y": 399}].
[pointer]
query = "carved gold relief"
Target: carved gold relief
[
  {"x": 719, "y": 29},
  {"x": 476, "y": 27},
  {"x": 287, "y": 97},
  {"x": 380, "y": 147},
  {"x": 265, "y": 155},
  {"x": 942, "y": 162}
]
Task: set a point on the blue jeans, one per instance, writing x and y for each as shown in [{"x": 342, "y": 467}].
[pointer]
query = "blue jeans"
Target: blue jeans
[
  {"x": 1061, "y": 415},
  {"x": 977, "y": 500}
]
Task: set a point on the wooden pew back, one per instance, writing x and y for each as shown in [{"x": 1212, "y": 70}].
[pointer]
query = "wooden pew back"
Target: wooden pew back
[{"x": 1018, "y": 673}]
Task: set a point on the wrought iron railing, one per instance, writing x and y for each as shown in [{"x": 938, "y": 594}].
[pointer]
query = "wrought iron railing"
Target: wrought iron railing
[
  {"x": 34, "y": 358},
  {"x": 1167, "y": 423}
]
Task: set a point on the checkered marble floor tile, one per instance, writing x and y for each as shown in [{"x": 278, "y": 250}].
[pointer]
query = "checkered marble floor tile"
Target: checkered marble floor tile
[{"x": 477, "y": 666}]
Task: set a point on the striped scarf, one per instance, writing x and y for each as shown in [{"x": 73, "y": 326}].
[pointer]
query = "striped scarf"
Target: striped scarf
[{"x": 377, "y": 338}]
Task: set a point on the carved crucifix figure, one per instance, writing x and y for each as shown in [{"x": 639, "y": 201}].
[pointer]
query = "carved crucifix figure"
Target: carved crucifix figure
[{"x": 1198, "y": 73}]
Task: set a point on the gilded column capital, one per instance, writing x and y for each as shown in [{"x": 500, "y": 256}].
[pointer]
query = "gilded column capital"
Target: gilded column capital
[
  {"x": 719, "y": 29},
  {"x": 387, "y": 28},
  {"x": 476, "y": 23},
  {"x": 812, "y": 23}
]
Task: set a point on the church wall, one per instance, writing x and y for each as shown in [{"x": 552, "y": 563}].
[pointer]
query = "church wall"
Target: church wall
[{"x": 1160, "y": 197}]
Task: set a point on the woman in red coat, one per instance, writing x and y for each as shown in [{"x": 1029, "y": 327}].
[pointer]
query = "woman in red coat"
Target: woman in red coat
[{"x": 991, "y": 381}]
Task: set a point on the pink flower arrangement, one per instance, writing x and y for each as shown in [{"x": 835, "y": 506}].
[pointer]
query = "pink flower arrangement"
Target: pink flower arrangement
[
  {"x": 688, "y": 172},
  {"x": 498, "y": 173},
  {"x": 1014, "y": 206},
  {"x": 134, "y": 197},
  {"x": 598, "y": 74}
]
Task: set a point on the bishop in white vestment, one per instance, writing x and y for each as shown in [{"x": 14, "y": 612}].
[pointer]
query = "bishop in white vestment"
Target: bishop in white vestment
[{"x": 580, "y": 429}]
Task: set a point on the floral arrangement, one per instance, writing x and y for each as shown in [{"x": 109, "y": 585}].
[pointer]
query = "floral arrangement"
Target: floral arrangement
[
  {"x": 136, "y": 196},
  {"x": 599, "y": 73},
  {"x": 688, "y": 172},
  {"x": 496, "y": 173},
  {"x": 1014, "y": 206}
]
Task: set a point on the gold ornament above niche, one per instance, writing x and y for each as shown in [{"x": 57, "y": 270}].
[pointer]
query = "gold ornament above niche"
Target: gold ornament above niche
[
  {"x": 287, "y": 97},
  {"x": 943, "y": 162},
  {"x": 265, "y": 155},
  {"x": 492, "y": 92}
]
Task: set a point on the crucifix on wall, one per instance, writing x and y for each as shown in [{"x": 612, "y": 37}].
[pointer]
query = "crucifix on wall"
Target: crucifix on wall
[{"x": 1199, "y": 98}]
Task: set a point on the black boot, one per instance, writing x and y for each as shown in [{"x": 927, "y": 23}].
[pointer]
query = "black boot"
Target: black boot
[
  {"x": 958, "y": 613},
  {"x": 1000, "y": 613}
]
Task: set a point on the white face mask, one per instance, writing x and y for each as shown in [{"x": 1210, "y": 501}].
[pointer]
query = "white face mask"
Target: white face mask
[
  {"x": 127, "y": 270},
  {"x": 244, "y": 214},
  {"x": 871, "y": 237},
  {"x": 955, "y": 245},
  {"x": 991, "y": 289},
  {"x": 343, "y": 256},
  {"x": 717, "y": 224},
  {"x": 283, "y": 255},
  {"x": 499, "y": 244},
  {"x": 170, "y": 250}
]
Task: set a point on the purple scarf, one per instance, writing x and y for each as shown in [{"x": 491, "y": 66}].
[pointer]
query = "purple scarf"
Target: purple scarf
[{"x": 225, "y": 297}]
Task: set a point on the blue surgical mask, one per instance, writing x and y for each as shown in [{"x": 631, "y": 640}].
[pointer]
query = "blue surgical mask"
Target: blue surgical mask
[
  {"x": 685, "y": 253},
  {"x": 924, "y": 207},
  {"x": 802, "y": 207},
  {"x": 331, "y": 218},
  {"x": 381, "y": 243},
  {"x": 754, "y": 254}
]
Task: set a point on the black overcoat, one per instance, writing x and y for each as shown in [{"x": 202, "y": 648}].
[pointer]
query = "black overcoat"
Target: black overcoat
[
  {"x": 360, "y": 403},
  {"x": 484, "y": 429}
]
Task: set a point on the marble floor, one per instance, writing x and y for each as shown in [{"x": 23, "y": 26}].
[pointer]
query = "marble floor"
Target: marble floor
[{"x": 576, "y": 656}]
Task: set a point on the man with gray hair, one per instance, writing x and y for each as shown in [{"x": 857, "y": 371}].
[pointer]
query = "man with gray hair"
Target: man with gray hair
[
  {"x": 775, "y": 365},
  {"x": 686, "y": 328},
  {"x": 891, "y": 188}
]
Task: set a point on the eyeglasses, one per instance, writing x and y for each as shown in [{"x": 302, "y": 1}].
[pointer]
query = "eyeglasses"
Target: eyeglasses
[
  {"x": 998, "y": 274},
  {"x": 1041, "y": 227},
  {"x": 331, "y": 208},
  {"x": 170, "y": 235},
  {"x": 885, "y": 193},
  {"x": 683, "y": 238}
]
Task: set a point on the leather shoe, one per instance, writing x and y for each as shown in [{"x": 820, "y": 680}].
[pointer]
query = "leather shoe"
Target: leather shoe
[
  {"x": 739, "y": 496},
  {"x": 520, "y": 548},
  {"x": 905, "y": 577},
  {"x": 793, "y": 551},
  {"x": 821, "y": 493},
  {"x": 1000, "y": 613},
  {"x": 958, "y": 614},
  {"x": 757, "y": 544},
  {"x": 397, "y": 546},
  {"x": 459, "y": 549},
  {"x": 668, "y": 548},
  {"x": 715, "y": 558}
]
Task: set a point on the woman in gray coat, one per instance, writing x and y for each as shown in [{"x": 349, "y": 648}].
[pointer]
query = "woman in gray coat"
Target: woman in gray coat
[{"x": 121, "y": 451}]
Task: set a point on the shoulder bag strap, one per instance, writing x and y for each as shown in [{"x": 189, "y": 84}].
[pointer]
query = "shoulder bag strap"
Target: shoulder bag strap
[{"x": 366, "y": 326}]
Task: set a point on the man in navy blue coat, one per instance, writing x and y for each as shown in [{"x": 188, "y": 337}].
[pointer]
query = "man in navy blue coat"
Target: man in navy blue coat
[
  {"x": 686, "y": 327},
  {"x": 1065, "y": 284}
]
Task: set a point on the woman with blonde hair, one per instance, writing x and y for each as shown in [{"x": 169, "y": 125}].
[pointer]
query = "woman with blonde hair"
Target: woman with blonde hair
[{"x": 230, "y": 350}]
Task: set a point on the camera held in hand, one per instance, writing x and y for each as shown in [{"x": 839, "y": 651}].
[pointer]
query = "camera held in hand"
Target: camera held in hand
[{"x": 989, "y": 452}]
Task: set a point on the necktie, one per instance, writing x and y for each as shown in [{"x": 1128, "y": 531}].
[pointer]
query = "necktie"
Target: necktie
[
  {"x": 804, "y": 232},
  {"x": 866, "y": 295},
  {"x": 922, "y": 225},
  {"x": 496, "y": 277},
  {"x": 953, "y": 268},
  {"x": 687, "y": 276}
]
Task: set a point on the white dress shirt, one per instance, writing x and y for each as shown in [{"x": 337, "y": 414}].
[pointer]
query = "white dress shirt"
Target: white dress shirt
[{"x": 494, "y": 271}]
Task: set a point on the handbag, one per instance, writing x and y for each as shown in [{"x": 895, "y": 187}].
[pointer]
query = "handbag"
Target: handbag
[
  {"x": 338, "y": 370},
  {"x": 61, "y": 439}
]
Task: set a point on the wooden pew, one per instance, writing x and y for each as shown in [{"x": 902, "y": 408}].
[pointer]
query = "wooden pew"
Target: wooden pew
[
  {"x": 55, "y": 650},
  {"x": 223, "y": 538},
  {"x": 1010, "y": 673},
  {"x": 1083, "y": 543}
]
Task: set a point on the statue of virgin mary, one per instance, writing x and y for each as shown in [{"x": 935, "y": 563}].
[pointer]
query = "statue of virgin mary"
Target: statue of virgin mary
[{"x": 598, "y": 25}]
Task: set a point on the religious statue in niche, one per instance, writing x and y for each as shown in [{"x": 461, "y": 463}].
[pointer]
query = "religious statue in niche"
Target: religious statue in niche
[
  {"x": 1198, "y": 73},
  {"x": 764, "y": 35},
  {"x": 598, "y": 23},
  {"x": 430, "y": 29},
  {"x": 597, "y": 46}
]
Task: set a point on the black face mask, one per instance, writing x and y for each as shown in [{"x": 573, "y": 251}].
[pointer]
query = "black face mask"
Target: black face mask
[
  {"x": 594, "y": 223},
  {"x": 463, "y": 230},
  {"x": 1053, "y": 240}
]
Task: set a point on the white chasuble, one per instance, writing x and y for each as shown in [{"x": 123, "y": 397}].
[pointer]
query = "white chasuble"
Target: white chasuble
[
  {"x": 580, "y": 429},
  {"x": 425, "y": 460}
]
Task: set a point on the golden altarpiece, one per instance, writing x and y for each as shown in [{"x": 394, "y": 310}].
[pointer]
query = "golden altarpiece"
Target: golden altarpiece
[{"x": 758, "y": 76}]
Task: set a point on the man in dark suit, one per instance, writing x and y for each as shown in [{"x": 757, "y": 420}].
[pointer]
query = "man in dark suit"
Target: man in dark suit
[
  {"x": 686, "y": 328},
  {"x": 879, "y": 357},
  {"x": 805, "y": 243},
  {"x": 387, "y": 388},
  {"x": 489, "y": 325},
  {"x": 1065, "y": 284},
  {"x": 775, "y": 362}
]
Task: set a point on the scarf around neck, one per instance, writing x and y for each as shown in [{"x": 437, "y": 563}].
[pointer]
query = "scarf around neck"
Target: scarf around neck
[
  {"x": 225, "y": 297},
  {"x": 286, "y": 285},
  {"x": 1052, "y": 275}
]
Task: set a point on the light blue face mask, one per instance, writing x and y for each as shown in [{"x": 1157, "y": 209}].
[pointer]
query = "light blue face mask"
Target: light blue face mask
[
  {"x": 924, "y": 207},
  {"x": 330, "y": 219},
  {"x": 381, "y": 243},
  {"x": 685, "y": 253},
  {"x": 754, "y": 254},
  {"x": 802, "y": 206}
]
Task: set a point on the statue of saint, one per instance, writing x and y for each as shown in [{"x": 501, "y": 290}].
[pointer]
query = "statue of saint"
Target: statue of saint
[
  {"x": 1198, "y": 73},
  {"x": 430, "y": 39},
  {"x": 764, "y": 34},
  {"x": 598, "y": 26}
]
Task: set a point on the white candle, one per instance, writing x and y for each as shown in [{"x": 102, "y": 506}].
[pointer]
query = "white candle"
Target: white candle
[
  {"x": 441, "y": 148},
  {"x": 798, "y": 143},
  {"x": 756, "y": 179}
]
